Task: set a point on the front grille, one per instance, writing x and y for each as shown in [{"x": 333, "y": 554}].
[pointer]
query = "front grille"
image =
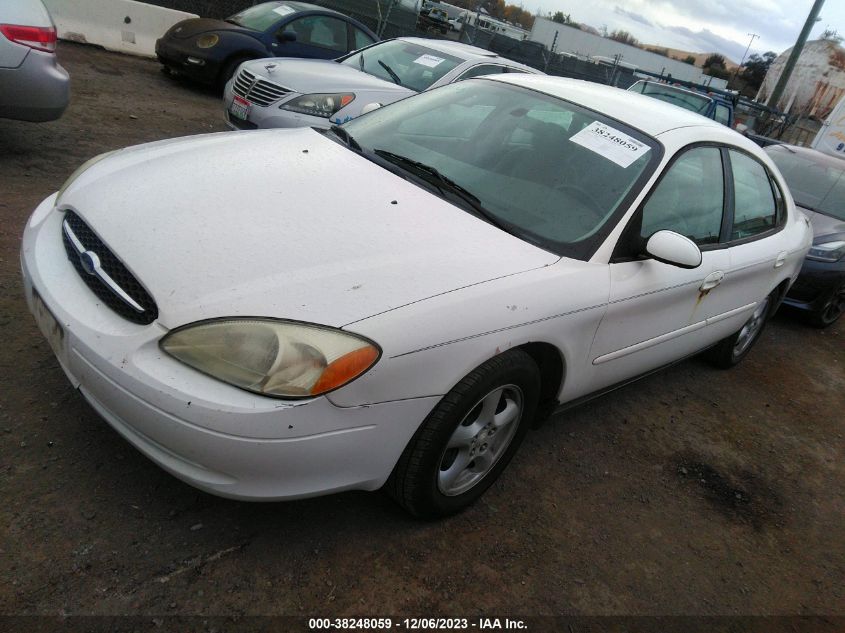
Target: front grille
[
  {"x": 258, "y": 91},
  {"x": 114, "y": 268}
]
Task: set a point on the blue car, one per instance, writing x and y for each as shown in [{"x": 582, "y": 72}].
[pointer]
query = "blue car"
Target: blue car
[
  {"x": 817, "y": 182},
  {"x": 209, "y": 51}
]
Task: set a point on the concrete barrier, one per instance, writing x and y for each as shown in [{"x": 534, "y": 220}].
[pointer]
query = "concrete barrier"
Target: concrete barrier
[{"x": 117, "y": 25}]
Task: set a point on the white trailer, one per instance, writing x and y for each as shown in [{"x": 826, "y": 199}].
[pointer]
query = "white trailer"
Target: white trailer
[{"x": 831, "y": 137}]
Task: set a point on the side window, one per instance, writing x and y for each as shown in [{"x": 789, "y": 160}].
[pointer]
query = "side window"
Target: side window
[
  {"x": 755, "y": 209},
  {"x": 723, "y": 114},
  {"x": 360, "y": 39},
  {"x": 482, "y": 69},
  {"x": 321, "y": 31},
  {"x": 689, "y": 199}
]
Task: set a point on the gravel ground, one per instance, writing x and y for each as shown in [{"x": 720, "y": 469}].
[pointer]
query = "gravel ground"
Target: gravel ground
[{"x": 692, "y": 492}]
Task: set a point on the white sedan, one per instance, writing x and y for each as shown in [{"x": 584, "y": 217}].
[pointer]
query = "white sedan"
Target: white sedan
[{"x": 394, "y": 302}]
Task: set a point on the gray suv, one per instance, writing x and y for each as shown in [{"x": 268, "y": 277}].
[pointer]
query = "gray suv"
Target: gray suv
[{"x": 33, "y": 87}]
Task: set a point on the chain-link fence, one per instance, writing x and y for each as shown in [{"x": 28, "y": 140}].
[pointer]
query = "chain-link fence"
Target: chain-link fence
[{"x": 389, "y": 18}]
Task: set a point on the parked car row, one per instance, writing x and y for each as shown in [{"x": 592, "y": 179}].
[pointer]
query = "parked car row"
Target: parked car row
[{"x": 449, "y": 248}]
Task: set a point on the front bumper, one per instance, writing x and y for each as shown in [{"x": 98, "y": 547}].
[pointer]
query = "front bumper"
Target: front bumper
[
  {"x": 185, "y": 59},
  {"x": 37, "y": 90},
  {"x": 213, "y": 436},
  {"x": 815, "y": 284}
]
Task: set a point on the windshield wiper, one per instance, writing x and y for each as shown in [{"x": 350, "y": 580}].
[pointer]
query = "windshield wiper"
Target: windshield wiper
[
  {"x": 390, "y": 71},
  {"x": 443, "y": 183},
  {"x": 346, "y": 137}
]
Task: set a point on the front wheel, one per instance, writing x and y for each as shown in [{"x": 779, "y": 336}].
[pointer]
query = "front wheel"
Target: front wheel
[
  {"x": 468, "y": 439},
  {"x": 732, "y": 349}
]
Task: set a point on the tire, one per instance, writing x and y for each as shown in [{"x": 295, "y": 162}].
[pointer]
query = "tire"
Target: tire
[
  {"x": 228, "y": 69},
  {"x": 731, "y": 350},
  {"x": 432, "y": 479},
  {"x": 830, "y": 312}
]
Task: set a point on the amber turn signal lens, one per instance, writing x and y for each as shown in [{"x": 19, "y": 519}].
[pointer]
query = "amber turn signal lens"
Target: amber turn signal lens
[{"x": 345, "y": 369}]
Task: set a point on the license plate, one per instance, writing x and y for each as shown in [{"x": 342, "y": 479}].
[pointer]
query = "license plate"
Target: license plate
[
  {"x": 49, "y": 327},
  {"x": 239, "y": 108}
]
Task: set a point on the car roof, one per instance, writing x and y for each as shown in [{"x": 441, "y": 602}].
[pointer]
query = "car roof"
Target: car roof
[
  {"x": 810, "y": 154},
  {"x": 645, "y": 113},
  {"x": 457, "y": 49}
]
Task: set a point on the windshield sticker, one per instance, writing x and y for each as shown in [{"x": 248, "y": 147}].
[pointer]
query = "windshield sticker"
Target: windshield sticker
[
  {"x": 428, "y": 60},
  {"x": 284, "y": 9},
  {"x": 610, "y": 143}
]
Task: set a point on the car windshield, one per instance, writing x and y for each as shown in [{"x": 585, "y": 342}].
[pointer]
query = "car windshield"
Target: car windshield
[
  {"x": 405, "y": 63},
  {"x": 261, "y": 17},
  {"x": 817, "y": 184},
  {"x": 548, "y": 171},
  {"x": 681, "y": 98}
]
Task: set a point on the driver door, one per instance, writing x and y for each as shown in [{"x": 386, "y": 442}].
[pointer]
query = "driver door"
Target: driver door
[{"x": 657, "y": 312}]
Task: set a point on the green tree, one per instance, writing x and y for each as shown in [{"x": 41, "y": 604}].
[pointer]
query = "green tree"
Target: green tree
[
  {"x": 689, "y": 59},
  {"x": 624, "y": 37},
  {"x": 715, "y": 61},
  {"x": 755, "y": 68}
]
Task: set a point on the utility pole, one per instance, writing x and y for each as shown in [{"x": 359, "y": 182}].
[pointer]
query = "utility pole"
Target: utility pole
[
  {"x": 551, "y": 52},
  {"x": 796, "y": 52},
  {"x": 745, "y": 54}
]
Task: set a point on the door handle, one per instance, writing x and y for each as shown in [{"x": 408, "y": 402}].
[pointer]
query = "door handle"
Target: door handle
[
  {"x": 781, "y": 259},
  {"x": 712, "y": 280}
]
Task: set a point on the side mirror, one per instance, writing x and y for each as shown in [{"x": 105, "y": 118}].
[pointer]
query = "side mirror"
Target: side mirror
[
  {"x": 674, "y": 249},
  {"x": 370, "y": 107},
  {"x": 286, "y": 36}
]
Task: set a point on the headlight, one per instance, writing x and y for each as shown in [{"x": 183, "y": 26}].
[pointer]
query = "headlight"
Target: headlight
[
  {"x": 322, "y": 105},
  {"x": 274, "y": 358},
  {"x": 829, "y": 252},
  {"x": 76, "y": 174},
  {"x": 208, "y": 40}
]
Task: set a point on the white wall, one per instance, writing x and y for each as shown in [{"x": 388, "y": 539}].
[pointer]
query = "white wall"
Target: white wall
[
  {"x": 817, "y": 82},
  {"x": 572, "y": 40},
  {"x": 117, "y": 25}
]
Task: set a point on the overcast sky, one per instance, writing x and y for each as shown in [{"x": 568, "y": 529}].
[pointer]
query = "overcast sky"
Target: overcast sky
[{"x": 704, "y": 25}]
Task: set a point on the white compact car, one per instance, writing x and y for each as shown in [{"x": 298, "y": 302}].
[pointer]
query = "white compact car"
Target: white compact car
[{"x": 392, "y": 303}]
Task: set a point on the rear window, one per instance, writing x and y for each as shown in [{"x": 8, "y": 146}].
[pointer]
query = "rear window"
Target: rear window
[{"x": 682, "y": 98}]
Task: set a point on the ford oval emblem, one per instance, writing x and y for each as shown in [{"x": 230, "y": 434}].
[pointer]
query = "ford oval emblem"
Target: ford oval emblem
[{"x": 90, "y": 262}]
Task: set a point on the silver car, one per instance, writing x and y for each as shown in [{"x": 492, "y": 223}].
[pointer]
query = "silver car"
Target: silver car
[
  {"x": 267, "y": 93},
  {"x": 33, "y": 87}
]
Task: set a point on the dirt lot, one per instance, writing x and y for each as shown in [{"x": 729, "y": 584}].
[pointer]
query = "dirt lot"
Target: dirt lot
[{"x": 694, "y": 491}]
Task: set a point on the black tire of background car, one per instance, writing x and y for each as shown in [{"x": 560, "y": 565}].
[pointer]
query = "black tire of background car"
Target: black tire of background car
[
  {"x": 831, "y": 311},
  {"x": 228, "y": 69},
  {"x": 723, "y": 356},
  {"x": 413, "y": 482}
]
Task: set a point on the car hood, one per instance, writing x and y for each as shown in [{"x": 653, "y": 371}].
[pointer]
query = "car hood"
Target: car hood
[
  {"x": 283, "y": 223},
  {"x": 317, "y": 75},
  {"x": 197, "y": 26},
  {"x": 824, "y": 226}
]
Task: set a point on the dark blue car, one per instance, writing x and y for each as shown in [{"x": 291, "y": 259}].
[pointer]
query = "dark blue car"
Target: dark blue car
[
  {"x": 817, "y": 183},
  {"x": 210, "y": 50}
]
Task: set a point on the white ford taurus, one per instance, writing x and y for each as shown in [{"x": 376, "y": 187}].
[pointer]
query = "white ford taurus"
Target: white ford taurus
[{"x": 287, "y": 313}]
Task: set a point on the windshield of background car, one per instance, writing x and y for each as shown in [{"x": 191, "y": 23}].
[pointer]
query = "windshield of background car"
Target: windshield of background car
[
  {"x": 818, "y": 185},
  {"x": 683, "y": 99},
  {"x": 416, "y": 67},
  {"x": 261, "y": 17},
  {"x": 551, "y": 172}
]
